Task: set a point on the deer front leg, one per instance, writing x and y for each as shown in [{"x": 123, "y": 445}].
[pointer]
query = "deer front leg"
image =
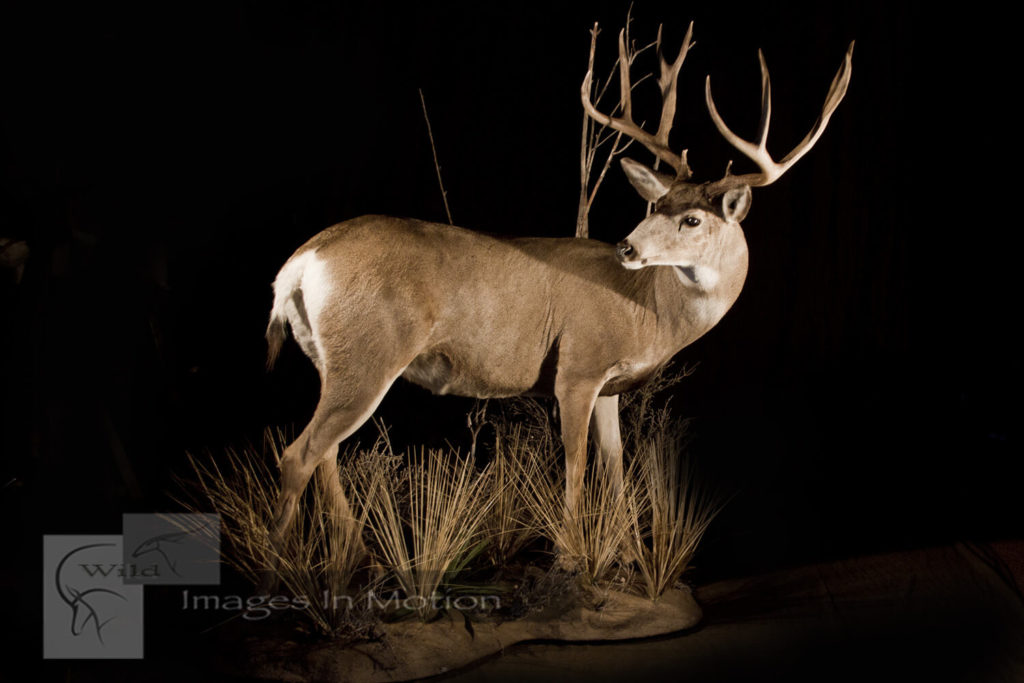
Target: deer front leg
[
  {"x": 605, "y": 423},
  {"x": 608, "y": 438},
  {"x": 575, "y": 404}
]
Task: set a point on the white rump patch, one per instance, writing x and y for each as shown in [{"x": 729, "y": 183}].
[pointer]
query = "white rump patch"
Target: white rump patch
[
  {"x": 315, "y": 288},
  {"x": 300, "y": 293}
]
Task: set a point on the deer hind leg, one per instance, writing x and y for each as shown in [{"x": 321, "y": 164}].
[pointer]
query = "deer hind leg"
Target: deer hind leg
[
  {"x": 605, "y": 424},
  {"x": 346, "y": 402},
  {"x": 347, "y": 530}
]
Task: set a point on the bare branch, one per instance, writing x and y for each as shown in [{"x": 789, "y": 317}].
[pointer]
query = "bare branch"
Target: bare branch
[{"x": 437, "y": 165}]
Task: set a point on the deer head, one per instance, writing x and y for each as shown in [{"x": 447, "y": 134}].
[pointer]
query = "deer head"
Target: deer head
[{"x": 693, "y": 226}]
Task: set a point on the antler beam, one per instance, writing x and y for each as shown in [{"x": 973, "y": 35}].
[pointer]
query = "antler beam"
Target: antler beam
[
  {"x": 758, "y": 152},
  {"x": 658, "y": 142}
]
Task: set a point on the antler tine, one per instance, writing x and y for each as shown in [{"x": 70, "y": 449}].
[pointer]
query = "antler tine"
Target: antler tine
[
  {"x": 836, "y": 92},
  {"x": 667, "y": 81},
  {"x": 766, "y": 103},
  {"x": 625, "y": 86},
  {"x": 758, "y": 153},
  {"x": 656, "y": 143}
]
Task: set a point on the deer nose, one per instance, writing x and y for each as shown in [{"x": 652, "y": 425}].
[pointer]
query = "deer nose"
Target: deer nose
[{"x": 624, "y": 250}]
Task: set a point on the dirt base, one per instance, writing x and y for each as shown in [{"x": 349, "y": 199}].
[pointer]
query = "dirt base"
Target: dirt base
[{"x": 412, "y": 649}]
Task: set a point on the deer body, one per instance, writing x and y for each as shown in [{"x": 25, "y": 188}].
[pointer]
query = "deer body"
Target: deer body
[
  {"x": 474, "y": 315},
  {"x": 460, "y": 312}
]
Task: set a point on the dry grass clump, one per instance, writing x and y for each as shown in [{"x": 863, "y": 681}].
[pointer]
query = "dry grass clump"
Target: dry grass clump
[
  {"x": 523, "y": 452},
  {"x": 669, "y": 511},
  {"x": 587, "y": 540},
  {"x": 323, "y": 552},
  {"x": 424, "y": 537},
  {"x": 420, "y": 520}
]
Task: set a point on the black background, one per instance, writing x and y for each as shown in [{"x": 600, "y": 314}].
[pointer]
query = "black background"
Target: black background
[{"x": 860, "y": 397}]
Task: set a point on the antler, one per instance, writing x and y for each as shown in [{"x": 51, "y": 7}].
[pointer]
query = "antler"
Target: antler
[
  {"x": 658, "y": 142},
  {"x": 770, "y": 169}
]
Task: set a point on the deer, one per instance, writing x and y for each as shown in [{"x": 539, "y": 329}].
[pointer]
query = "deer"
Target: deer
[{"x": 377, "y": 298}]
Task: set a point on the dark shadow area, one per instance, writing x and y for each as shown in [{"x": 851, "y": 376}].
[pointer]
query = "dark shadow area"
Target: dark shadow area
[{"x": 940, "y": 613}]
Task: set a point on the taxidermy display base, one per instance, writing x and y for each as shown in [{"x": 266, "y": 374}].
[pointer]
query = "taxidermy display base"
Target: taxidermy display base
[
  {"x": 412, "y": 649},
  {"x": 440, "y": 563}
]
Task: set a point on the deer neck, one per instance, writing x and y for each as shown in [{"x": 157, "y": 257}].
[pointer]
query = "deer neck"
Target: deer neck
[{"x": 699, "y": 295}]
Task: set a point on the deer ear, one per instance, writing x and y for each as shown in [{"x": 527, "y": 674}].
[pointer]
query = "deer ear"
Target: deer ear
[
  {"x": 736, "y": 203},
  {"x": 651, "y": 185}
]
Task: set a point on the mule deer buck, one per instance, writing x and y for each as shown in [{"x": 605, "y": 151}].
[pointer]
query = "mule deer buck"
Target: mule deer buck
[{"x": 376, "y": 298}]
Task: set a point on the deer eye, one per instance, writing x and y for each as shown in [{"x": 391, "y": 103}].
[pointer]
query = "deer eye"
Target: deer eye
[{"x": 690, "y": 222}]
